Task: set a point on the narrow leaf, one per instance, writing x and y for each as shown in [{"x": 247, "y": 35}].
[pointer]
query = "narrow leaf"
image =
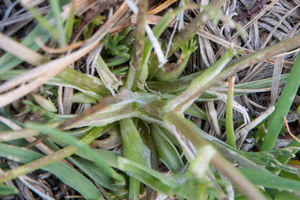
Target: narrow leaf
[{"x": 270, "y": 180}]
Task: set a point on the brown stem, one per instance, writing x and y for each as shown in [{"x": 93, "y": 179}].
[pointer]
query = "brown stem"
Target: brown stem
[
  {"x": 138, "y": 43},
  {"x": 250, "y": 12}
]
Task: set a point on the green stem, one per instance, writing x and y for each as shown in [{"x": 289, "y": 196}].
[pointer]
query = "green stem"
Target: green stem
[{"x": 229, "y": 120}]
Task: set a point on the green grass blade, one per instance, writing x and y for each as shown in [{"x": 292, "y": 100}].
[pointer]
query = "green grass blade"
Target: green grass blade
[
  {"x": 229, "y": 117},
  {"x": 90, "y": 85},
  {"x": 285, "y": 159},
  {"x": 95, "y": 173},
  {"x": 70, "y": 23},
  {"x": 132, "y": 142},
  {"x": 270, "y": 180},
  {"x": 80, "y": 145},
  {"x": 6, "y": 190},
  {"x": 183, "y": 101},
  {"x": 133, "y": 150},
  {"x": 148, "y": 176},
  {"x": 42, "y": 21},
  {"x": 110, "y": 114},
  {"x": 56, "y": 10},
  {"x": 171, "y": 71},
  {"x": 262, "y": 83},
  {"x": 183, "y": 83},
  {"x": 166, "y": 150},
  {"x": 65, "y": 173},
  {"x": 284, "y": 195},
  {"x": 282, "y": 106},
  {"x": 80, "y": 97}
]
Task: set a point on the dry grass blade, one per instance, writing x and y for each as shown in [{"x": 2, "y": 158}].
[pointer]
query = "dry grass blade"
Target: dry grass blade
[
  {"x": 161, "y": 7},
  {"x": 249, "y": 24},
  {"x": 241, "y": 134},
  {"x": 38, "y": 188},
  {"x": 138, "y": 44},
  {"x": 277, "y": 25},
  {"x": 280, "y": 59},
  {"x": 214, "y": 118},
  {"x": 56, "y": 66},
  {"x": 22, "y": 17},
  {"x": 58, "y": 50},
  {"x": 21, "y": 51},
  {"x": 288, "y": 129},
  {"x": 154, "y": 19},
  {"x": 276, "y": 75}
]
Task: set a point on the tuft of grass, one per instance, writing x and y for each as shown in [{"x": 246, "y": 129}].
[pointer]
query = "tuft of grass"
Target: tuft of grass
[{"x": 140, "y": 128}]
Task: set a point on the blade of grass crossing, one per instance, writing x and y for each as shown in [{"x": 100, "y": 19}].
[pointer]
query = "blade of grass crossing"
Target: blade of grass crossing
[
  {"x": 65, "y": 173},
  {"x": 224, "y": 166},
  {"x": 81, "y": 146},
  {"x": 187, "y": 33}
]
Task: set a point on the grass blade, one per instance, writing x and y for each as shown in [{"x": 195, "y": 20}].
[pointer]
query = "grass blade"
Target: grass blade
[
  {"x": 166, "y": 150},
  {"x": 270, "y": 180},
  {"x": 183, "y": 101},
  {"x": 6, "y": 190},
  {"x": 55, "y": 8},
  {"x": 148, "y": 176},
  {"x": 282, "y": 106},
  {"x": 133, "y": 150},
  {"x": 65, "y": 173},
  {"x": 60, "y": 135},
  {"x": 229, "y": 118},
  {"x": 95, "y": 173}
]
